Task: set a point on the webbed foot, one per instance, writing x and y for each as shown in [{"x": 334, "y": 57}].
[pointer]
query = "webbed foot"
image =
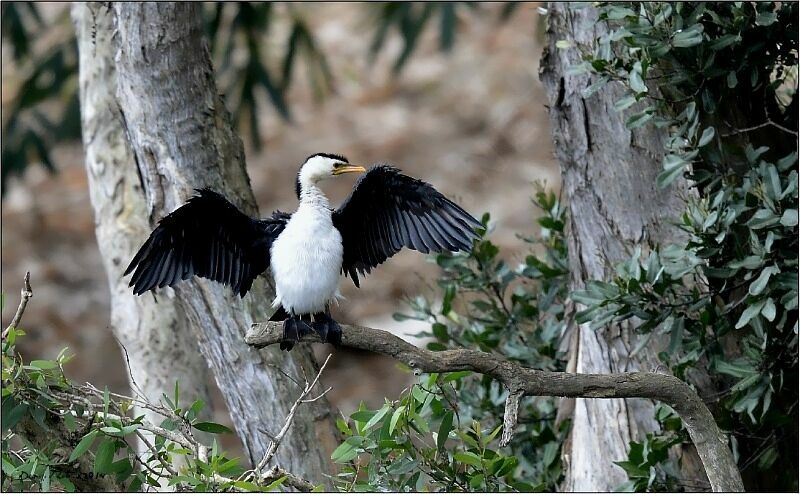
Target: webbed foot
[
  {"x": 328, "y": 329},
  {"x": 294, "y": 328}
]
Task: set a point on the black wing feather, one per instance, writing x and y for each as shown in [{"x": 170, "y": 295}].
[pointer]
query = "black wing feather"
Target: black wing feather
[
  {"x": 208, "y": 237},
  {"x": 388, "y": 211}
]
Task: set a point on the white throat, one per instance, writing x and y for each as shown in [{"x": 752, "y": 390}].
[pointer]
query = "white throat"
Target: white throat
[{"x": 312, "y": 196}]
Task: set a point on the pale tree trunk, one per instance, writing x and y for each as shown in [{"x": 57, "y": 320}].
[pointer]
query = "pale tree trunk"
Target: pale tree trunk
[
  {"x": 182, "y": 138},
  {"x": 159, "y": 347},
  {"x": 609, "y": 178}
]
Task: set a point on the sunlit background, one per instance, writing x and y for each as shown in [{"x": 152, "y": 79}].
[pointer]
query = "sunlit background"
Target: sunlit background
[{"x": 469, "y": 119}]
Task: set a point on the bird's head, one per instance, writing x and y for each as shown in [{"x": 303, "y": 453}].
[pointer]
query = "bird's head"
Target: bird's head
[{"x": 324, "y": 165}]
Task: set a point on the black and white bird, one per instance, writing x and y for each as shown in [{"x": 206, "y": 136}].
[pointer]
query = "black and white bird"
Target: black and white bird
[{"x": 307, "y": 250}]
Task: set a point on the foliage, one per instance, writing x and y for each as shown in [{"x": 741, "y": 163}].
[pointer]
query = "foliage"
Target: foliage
[
  {"x": 517, "y": 312},
  {"x": 407, "y": 446},
  {"x": 55, "y": 430},
  {"x": 646, "y": 464},
  {"x": 46, "y": 110},
  {"x": 728, "y": 296}
]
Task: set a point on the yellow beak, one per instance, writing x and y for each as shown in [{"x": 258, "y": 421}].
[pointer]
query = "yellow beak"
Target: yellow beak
[{"x": 339, "y": 170}]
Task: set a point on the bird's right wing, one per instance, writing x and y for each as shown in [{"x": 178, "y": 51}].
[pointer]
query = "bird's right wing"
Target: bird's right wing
[{"x": 208, "y": 237}]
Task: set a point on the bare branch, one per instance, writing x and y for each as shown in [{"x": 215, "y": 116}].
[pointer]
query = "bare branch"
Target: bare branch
[
  {"x": 711, "y": 444},
  {"x": 769, "y": 122},
  {"x": 26, "y": 294},
  {"x": 276, "y": 441}
]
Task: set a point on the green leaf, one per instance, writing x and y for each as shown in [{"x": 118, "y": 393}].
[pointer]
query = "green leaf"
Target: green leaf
[
  {"x": 395, "y": 417},
  {"x": 766, "y": 18},
  {"x": 275, "y": 484},
  {"x": 749, "y": 262},
  {"x": 12, "y": 412},
  {"x": 616, "y": 12},
  {"x": 676, "y": 334},
  {"x": 580, "y": 68},
  {"x": 760, "y": 283},
  {"x": 789, "y": 218},
  {"x": 440, "y": 331},
  {"x": 550, "y": 453},
  {"x": 737, "y": 368},
  {"x": 635, "y": 79},
  {"x": 444, "y": 429},
  {"x": 44, "y": 364},
  {"x": 344, "y": 452},
  {"x": 670, "y": 173},
  {"x": 732, "y": 80},
  {"x": 378, "y": 416},
  {"x": 447, "y": 301},
  {"x": 787, "y": 161},
  {"x": 625, "y": 102},
  {"x": 725, "y": 41},
  {"x": 83, "y": 446},
  {"x": 468, "y": 457},
  {"x": 594, "y": 87},
  {"x": 186, "y": 479},
  {"x": 105, "y": 456},
  {"x": 708, "y": 134},
  {"x": 754, "y": 154},
  {"x": 362, "y": 415},
  {"x": 455, "y": 376},
  {"x": 212, "y": 427},
  {"x": 688, "y": 37},
  {"x": 762, "y": 219},
  {"x": 342, "y": 426},
  {"x": 749, "y": 313},
  {"x": 637, "y": 120},
  {"x": 769, "y": 310}
]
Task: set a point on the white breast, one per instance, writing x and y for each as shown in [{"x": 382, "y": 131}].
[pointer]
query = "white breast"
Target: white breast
[{"x": 306, "y": 260}]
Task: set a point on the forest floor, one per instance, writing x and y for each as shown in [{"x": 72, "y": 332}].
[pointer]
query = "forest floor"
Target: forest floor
[{"x": 472, "y": 122}]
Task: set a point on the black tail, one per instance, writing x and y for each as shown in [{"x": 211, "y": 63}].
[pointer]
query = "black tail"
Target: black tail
[{"x": 279, "y": 315}]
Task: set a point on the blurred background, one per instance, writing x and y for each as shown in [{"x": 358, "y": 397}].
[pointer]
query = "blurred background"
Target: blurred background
[{"x": 449, "y": 93}]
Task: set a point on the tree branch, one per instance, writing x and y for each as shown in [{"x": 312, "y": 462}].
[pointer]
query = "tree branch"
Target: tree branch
[
  {"x": 27, "y": 293},
  {"x": 711, "y": 444}
]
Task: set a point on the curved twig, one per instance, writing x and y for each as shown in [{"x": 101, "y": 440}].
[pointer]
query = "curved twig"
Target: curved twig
[
  {"x": 26, "y": 294},
  {"x": 711, "y": 444}
]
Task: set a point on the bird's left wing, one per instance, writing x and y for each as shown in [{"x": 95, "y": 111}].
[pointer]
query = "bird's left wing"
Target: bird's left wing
[
  {"x": 388, "y": 211},
  {"x": 207, "y": 237}
]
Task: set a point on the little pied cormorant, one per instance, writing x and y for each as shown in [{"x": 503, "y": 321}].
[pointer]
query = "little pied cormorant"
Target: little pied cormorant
[{"x": 307, "y": 250}]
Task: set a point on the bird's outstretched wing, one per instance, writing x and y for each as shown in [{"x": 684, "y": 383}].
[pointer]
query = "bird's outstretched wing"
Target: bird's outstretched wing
[
  {"x": 208, "y": 237},
  {"x": 388, "y": 211}
]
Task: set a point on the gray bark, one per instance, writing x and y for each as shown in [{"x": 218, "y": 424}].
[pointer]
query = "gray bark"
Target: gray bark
[
  {"x": 159, "y": 347},
  {"x": 182, "y": 138},
  {"x": 609, "y": 176}
]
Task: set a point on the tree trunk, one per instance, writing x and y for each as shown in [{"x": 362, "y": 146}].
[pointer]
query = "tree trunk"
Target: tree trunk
[
  {"x": 182, "y": 138},
  {"x": 609, "y": 176},
  {"x": 159, "y": 347}
]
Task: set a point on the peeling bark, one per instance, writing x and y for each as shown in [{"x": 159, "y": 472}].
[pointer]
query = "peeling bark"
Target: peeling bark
[
  {"x": 609, "y": 176},
  {"x": 182, "y": 139},
  {"x": 160, "y": 349}
]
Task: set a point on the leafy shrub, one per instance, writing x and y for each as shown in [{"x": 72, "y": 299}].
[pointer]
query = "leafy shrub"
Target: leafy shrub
[
  {"x": 58, "y": 435},
  {"x": 722, "y": 78}
]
